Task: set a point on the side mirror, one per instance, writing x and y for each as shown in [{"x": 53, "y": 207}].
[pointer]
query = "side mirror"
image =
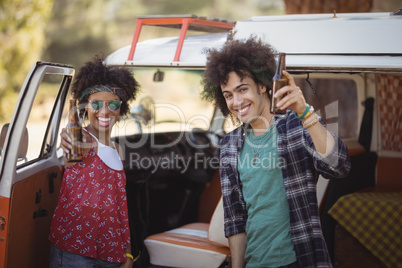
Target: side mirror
[{"x": 23, "y": 149}]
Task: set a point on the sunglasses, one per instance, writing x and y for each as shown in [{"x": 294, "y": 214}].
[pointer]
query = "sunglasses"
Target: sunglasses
[{"x": 112, "y": 105}]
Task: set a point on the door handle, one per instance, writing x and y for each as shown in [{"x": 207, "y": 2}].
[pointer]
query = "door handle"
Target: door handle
[{"x": 40, "y": 213}]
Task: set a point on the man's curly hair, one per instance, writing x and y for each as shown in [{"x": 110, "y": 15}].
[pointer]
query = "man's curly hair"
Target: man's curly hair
[
  {"x": 246, "y": 58},
  {"x": 95, "y": 72}
]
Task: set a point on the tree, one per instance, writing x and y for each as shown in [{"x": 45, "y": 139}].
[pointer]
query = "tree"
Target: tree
[
  {"x": 22, "y": 24},
  {"x": 78, "y": 30},
  {"x": 327, "y": 6}
]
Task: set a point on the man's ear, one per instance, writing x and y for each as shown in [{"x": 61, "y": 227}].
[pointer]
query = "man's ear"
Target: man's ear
[{"x": 262, "y": 88}]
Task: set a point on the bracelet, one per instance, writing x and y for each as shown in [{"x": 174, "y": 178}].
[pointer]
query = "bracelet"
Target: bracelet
[
  {"x": 130, "y": 256},
  {"x": 301, "y": 116},
  {"x": 309, "y": 114},
  {"x": 312, "y": 124},
  {"x": 311, "y": 121}
]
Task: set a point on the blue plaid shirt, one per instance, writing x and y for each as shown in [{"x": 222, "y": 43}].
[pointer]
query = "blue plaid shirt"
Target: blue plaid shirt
[{"x": 302, "y": 167}]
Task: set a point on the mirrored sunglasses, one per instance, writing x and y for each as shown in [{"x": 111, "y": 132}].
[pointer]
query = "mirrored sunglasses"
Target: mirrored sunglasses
[{"x": 112, "y": 105}]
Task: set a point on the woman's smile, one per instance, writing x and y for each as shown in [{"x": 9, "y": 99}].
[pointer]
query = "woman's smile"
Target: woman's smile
[{"x": 104, "y": 121}]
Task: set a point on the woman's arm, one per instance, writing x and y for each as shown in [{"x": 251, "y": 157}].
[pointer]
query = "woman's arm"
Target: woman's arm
[{"x": 129, "y": 260}]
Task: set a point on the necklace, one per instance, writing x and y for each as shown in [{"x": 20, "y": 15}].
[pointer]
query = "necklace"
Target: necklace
[{"x": 256, "y": 153}]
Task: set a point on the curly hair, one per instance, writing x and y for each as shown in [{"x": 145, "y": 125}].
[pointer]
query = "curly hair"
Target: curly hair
[
  {"x": 95, "y": 72},
  {"x": 246, "y": 58}
]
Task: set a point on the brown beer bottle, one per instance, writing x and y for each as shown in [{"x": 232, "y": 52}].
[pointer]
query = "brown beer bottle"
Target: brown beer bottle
[
  {"x": 279, "y": 81},
  {"x": 74, "y": 130}
]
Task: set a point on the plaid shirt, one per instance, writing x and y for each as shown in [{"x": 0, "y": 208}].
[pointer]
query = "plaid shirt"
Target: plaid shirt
[{"x": 302, "y": 166}]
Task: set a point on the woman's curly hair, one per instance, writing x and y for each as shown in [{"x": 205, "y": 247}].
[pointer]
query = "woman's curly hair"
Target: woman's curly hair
[
  {"x": 95, "y": 72},
  {"x": 246, "y": 58}
]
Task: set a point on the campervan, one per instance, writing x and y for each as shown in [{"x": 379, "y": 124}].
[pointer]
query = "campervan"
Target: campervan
[{"x": 349, "y": 67}]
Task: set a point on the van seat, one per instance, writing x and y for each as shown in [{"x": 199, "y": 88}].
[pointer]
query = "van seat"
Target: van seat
[
  {"x": 190, "y": 245},
  {"x": 354, "y": 147}
]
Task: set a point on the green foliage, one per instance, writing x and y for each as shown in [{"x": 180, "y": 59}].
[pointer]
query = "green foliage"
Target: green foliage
[
  {"x": 80, "y": 29},
  {"x": 22, "y": 24},
  {"x": 77, "y": 31}
]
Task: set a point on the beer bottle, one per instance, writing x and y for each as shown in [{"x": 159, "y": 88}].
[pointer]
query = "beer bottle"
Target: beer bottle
[
  {"x": 279, "y": 81},
  {"x": 74, "y": 130}
]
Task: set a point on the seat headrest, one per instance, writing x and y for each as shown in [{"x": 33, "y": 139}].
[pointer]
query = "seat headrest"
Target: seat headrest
[
  {"x": 22, "y": 150},
  {"x": 216, "y": 232}
]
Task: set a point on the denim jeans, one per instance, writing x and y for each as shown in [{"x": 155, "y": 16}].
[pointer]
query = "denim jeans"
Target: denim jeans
[{"x": 64, "y": 259}]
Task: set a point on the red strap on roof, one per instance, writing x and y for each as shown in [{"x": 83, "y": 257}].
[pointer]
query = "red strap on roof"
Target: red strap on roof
[{"x": 185, "y": 22}]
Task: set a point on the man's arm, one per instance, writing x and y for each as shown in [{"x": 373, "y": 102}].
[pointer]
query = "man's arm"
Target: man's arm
[
  {"x": 323, "y": 140},
  {"x": 293, "y": 99},
  {"x": 237, "y": 244}
]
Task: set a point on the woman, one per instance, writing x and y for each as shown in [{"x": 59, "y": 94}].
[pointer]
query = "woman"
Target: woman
[{"x": 90, "y": 226}]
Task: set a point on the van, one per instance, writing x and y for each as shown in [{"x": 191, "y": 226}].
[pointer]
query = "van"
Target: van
[{"x": 349, "y": 67}]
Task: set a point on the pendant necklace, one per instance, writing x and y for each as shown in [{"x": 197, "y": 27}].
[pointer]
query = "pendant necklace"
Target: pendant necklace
[
  {"x": 255, "y": 157},
  {"x": 256, "y": 153}
]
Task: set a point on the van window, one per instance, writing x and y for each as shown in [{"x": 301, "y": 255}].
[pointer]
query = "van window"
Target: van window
[
  {"x": 40, "y": 115},
  {"x": 172, "y": 96},
  {"x": 336, "y": 101}
]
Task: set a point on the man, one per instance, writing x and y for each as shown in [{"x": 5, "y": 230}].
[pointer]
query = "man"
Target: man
[{"x": 270, "y": 164}]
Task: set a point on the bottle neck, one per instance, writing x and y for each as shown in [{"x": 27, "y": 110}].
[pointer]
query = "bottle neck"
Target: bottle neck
[
  {"x": 73, "y": 112},
  {"x": 281, "y": 64}
]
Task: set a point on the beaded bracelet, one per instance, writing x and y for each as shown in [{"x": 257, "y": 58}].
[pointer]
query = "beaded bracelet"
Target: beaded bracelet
[
  {"x": 312, "y": 124},
  {"x": 311, "y": 121}
]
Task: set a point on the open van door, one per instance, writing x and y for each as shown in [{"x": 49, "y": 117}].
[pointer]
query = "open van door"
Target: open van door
[{"x": 31, "y": 167}]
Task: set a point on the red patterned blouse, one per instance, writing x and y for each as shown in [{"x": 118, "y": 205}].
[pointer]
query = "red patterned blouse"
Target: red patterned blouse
[{"x": 91, "y": 217}]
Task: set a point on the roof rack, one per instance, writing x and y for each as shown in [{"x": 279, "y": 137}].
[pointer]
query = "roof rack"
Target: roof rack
[{"x": 183, "y": 22}]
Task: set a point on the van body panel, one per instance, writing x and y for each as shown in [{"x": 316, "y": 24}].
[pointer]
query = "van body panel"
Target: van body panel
[
  {"x": 316, "y": 42},
  {"x": 159, "y": 52},
  {"x": 346, "y": 34},
  {"x": 4, "y": 212}
]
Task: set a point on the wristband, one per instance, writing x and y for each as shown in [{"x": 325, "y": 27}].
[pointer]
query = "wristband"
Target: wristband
[
  {"x": 303, "y": 114},
  {"x": 310, "y": 112},
  {"x": 309, "y": 109},
  {"x": 130, "y": 256}
]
